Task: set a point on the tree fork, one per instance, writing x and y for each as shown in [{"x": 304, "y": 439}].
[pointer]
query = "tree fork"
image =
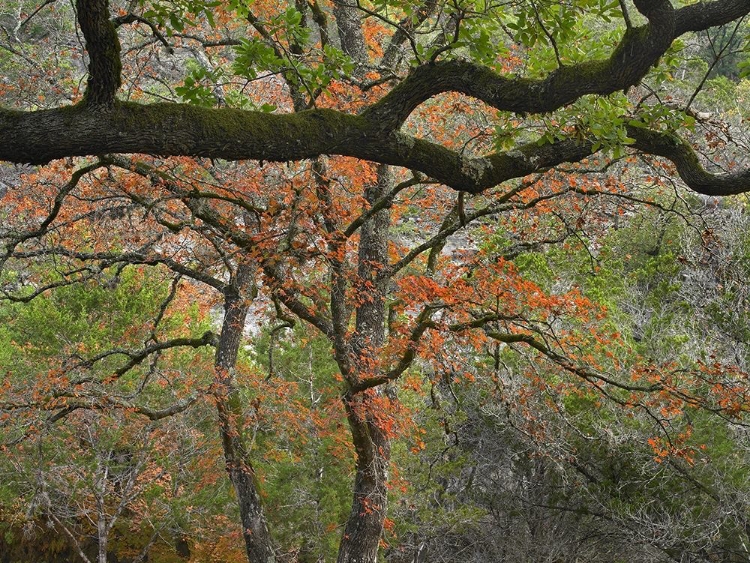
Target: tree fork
[{"x": 364, "y": 527}]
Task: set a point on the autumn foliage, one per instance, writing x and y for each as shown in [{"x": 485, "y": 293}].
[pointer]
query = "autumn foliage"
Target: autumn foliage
[{"x": 335, "y": 285}]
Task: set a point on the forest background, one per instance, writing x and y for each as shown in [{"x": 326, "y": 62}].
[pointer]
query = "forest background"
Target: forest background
[{"x": 374, "y": 281}]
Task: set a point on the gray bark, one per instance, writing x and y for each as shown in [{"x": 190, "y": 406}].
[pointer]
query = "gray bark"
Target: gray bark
[{"x": 258, "y": 543}]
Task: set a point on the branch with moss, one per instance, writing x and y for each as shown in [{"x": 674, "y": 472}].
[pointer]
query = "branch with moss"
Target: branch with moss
[{"x": 101, "y": 124}]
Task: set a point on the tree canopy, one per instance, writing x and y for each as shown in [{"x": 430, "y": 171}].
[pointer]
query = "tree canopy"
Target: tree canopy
[{"x": 432, "y": 273}]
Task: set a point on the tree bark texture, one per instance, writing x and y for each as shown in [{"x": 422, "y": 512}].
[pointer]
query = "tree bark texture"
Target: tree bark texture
[
  {"x": 178, "y": 129},
  {"x": 103, "y": 47},
  {"x": 364, "y": 527},
  {"x": 258, "y": 543}
]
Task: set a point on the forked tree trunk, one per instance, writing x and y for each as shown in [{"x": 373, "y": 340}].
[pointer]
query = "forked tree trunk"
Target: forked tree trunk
[
  {"x": 258, "y": 544},
  {"x": 364, "y": 527}
]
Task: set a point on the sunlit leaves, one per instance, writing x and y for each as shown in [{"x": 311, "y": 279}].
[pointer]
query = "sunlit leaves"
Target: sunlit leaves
[
  {"x": 557, "y": 24},
  {"x": 661, "y": 117},
  {"x": 478, "y": 36},
  {"x": 601, "y": 119}
]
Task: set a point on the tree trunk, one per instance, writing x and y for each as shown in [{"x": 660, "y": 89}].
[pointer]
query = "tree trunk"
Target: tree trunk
[
  {"x": 364, "y": 527},
  {"x": 102, "y": 529},
  {"x": 258, "y": 544},
  {"x": 102, "y": 533}
]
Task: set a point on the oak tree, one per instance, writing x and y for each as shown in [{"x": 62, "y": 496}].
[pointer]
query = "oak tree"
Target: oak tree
[{"x": 442, "y": 119}]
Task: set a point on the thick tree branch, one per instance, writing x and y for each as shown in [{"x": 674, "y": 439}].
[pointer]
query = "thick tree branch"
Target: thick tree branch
[
  {"x": 177, "y": 129},
  {"x": 639, "y": 49},
  {"x": 688, "y": 165},
  {"x": 703, "y": 15}
]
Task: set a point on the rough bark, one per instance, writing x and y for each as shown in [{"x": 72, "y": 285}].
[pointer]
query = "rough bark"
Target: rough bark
[
  {"x": 364, "y": 526},
  {"x": 258, "y": 543},
  {"x": 372, "y": 264},
  {"x": 176, "y": 129},
  {"x": 639, "y": 49},
  {"x": 103, "y": 47},
  {"x": 349, "y": 26},
  {"x": 688, "y": 166},
  {"x": 173, "y": 129}
]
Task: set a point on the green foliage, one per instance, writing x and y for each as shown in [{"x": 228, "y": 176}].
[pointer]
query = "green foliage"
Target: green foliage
[
  {"x": 536, "y": 267},
  {"x": 256, "y": 57},
  {"x": 253, "y": 55},
  {"x": 96, "y": 452},
  {"x": 194, "y": 90},
  {"x": 597, "y": 119},
  {"x": 662, "y": 118},
  {"x": 176, "y": 15},
  {"x": 303, "y": 459},
  {"x": 544, "y": 21},
  {"x": 744, "y": 68},
  {"x": 82, "y": 320},
  {"x": 477, "y": 37}
]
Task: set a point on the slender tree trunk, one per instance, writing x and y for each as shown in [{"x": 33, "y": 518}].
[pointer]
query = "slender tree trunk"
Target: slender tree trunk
[
  {"x": 351, "y": 36},
  {"x": 258, "y": 544},
  {"x": 103, "y": 533},
  {"x": 102, "y": 529},
  {"x": 364, "y": 526}
]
